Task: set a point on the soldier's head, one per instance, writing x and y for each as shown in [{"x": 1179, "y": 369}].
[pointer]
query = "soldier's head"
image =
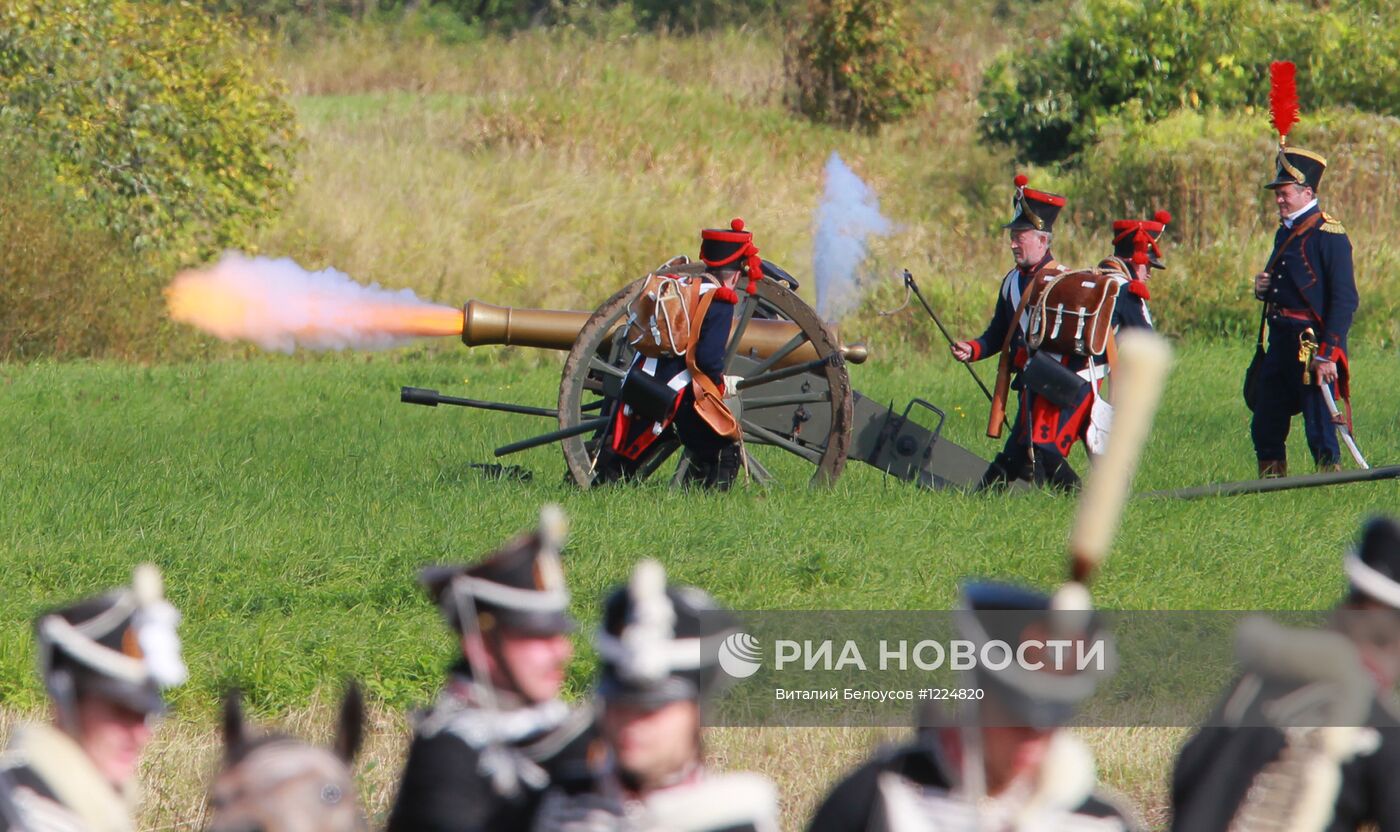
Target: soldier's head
[
  {"x": 510, "y": 612},
  {"x": 105, "y": 662},
  {"x": 1370, "y": 615},
  {"x": 1055, "y": 661},
  {"x": 1296, "y": 179},
  {"x": 1031, "y": 229},
  {"x": 654, "y": 676},
  {"x": 728, "y": 252},
  {"x": 1135, "y": 242}
]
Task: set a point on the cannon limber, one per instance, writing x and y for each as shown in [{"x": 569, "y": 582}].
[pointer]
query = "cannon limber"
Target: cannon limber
[{"x": 795, "y": 396}]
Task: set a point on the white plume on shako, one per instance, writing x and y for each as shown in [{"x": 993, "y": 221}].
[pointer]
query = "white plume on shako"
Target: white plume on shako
[
  {"x": 849, "y": 215},
  {"x": 280, "y": 306}
]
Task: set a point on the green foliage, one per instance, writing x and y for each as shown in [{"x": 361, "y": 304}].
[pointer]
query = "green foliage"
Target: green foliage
[
  {"x": 158, "y": 116},
  {"x": 856, "y": 63},
  {"x": 1208, "y": 169},
  {"x": 67, "y": 288},
  {"x": 695, "y": 15},
  {"x": 1143, "y": 59}
]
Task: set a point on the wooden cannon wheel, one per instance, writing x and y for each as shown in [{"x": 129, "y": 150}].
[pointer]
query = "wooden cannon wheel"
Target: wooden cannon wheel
[{"x": 805, "y": 413}]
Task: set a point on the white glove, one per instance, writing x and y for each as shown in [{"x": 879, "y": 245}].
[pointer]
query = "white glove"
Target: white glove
[{"x": 731, "y": 386}]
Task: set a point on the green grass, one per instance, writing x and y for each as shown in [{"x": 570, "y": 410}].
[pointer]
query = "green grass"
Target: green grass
[{"x": 291, "y": 502}]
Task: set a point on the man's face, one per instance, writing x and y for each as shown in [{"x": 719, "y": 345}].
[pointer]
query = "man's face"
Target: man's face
[
  {"x": 113, "y": 737},
  {"x": 1012, "y": 751},
  {"x": 1142, "y": 271},
  {"x": 1291, "y": 198},
  {"x": 533, "y": 663},
  {"x": 1028, "y": 246},
  {"x": 653, "y": 746}
]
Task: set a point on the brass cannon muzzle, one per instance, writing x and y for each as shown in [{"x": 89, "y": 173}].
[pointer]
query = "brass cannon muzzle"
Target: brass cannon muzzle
[{"x": 557, "y": 329}]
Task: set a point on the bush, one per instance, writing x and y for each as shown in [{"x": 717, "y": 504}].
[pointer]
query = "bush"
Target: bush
[
  {"x": 158, "y": 116},
  {"x": 1144, "y": 59},
  {"x": 1208, "y": 169},
  {"x": 67, "y": 288},
  {"x": 696, "y": 15},
  {"x": 855, "y": 63}
]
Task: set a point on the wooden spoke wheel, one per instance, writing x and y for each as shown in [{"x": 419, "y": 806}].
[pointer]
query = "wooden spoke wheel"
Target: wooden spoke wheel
[{"x": 796, "y": 395}]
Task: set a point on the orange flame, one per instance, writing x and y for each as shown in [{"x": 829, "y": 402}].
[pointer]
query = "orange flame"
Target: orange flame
[{"x": 280, "y": 306}]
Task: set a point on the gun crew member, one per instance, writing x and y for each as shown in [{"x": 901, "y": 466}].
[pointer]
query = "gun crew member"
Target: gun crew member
[
  {"x": 1043, "y": 431},
  {"x": 677, "y": 382},
  {"x": 649, "y": 773},
  {"x": 1136, "y": 252},
  {"x": 499, "y": 734},
  {"x": 104, "y": 662},
  {"x": 1033, "y": 774},
  {"x": 1308, "y": 737}
]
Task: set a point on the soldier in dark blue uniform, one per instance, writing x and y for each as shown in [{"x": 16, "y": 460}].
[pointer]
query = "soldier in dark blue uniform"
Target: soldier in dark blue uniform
[
  {"x": 1309, "y": 287},
  {"x": 498, "y": 735},
  {"x": 1135, "y": 254},
  {"x": 1043, "y": 431},
  {"x": 105, "y": 662},
  {"x": 1310, "y": 729},
  {"x": 1034, "y": 775},
  {"x": 658, "y": 396},
  {"x": 649, "y": 769}
]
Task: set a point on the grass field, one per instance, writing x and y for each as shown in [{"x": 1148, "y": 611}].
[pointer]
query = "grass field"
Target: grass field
[{"x": 290, "y": 503}]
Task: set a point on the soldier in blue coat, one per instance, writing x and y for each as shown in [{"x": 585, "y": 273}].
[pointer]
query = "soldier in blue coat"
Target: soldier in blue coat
[
  {"x": 1261, "y": 758},
  {"x": 1310, "y": 287},
  {"x": 1135, "y": 254},
  {"x": 658, "y": 399},
  {"x": 1043, "y": 431},
  {"x": 499, "y": 734}
]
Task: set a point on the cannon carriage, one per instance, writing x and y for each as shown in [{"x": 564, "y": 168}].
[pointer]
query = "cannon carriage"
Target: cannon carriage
[{"x": 795, "y": 396}]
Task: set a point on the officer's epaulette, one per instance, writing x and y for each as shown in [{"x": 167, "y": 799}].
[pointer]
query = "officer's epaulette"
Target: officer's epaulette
[{"x": 1332, "y": 224}]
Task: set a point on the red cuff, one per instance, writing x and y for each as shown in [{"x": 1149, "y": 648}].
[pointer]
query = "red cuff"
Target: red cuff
[{"x": 976, "y": 350}]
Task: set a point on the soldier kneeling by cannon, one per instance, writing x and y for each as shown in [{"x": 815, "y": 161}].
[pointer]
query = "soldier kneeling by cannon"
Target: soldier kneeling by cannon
[{"x": 680, "y": 325}]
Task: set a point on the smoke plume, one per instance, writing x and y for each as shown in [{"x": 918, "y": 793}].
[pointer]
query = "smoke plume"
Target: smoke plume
[
  {"x": 848, "y": 216},
  {"x": 280, "y": 306}
]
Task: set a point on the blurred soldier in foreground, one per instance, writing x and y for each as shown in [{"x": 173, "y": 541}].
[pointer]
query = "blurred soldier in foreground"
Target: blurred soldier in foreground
[
  {"x": 1309, "y": 295},
  {"x": 104, "y": 661},
  {"x": 1042, "y": 432},
  {"x": 498, "y": 735},
  {"x": 1308, "y": 735},
  {"x": 678, "y": 381},
  {"x": 648, "y": 772},
  {"x": 1014, "y": 768},
  {"x": 1135, "y": 254}
]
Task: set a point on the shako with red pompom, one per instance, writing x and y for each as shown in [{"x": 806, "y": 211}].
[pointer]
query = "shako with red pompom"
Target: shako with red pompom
[
  {"x": 1136, "y": 242},
  {"x": 1034, "y": 209},
  {"x": 1292, "y": 165}
]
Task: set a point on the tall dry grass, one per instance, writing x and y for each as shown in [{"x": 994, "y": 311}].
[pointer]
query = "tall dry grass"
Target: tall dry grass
[{"x": 804, "y": 762}]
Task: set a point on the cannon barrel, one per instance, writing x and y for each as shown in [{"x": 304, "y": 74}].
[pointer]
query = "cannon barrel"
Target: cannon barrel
[{"x": 557, "y": 329}]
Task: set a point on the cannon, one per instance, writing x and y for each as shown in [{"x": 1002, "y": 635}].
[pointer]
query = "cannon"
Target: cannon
[{"x": 795, "y": 396}]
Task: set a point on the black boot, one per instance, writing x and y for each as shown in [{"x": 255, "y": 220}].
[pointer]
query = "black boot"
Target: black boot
[
  {"x": 996, "y": 478},
  {"x": 726, "y": 469},
  {"x": 1055, "y": 472},
  {"x": 698, "y": 473}
]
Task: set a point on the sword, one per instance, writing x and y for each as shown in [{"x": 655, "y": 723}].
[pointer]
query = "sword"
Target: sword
[{"x": 1342, "y": 426}]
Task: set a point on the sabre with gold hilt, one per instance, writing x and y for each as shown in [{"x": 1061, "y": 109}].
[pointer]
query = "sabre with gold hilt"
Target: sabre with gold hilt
[{"x": 1307, "y": 351}]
